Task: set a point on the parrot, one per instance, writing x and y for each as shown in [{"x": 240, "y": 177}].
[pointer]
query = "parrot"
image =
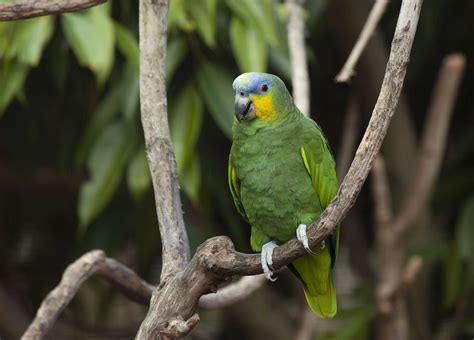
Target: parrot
[{"x": 282, "y": 176}]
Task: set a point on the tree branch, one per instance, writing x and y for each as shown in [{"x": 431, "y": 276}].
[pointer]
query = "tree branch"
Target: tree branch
[
  {"x": 375, "y": 15},
  {"x": 296, "y": 44},
  {"x": 233, "y": 293},
  {"x": 349, "y": 137},
  {"x": 433, "y": 141},
  {"x": 216, "y": 259},
  {"x": 91, "y": 263},
  {"x": 153, "y": 39},
  {"x": 29, "y": 9}
]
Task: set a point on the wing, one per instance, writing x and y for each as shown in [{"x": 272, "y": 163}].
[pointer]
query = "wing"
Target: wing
[
  {"x": 234, "y": 185},
  {"x": 320, "y": 165}
]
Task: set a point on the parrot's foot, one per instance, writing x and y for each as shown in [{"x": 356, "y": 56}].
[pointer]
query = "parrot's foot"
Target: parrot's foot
[
  {"x": 303, "y": 238},
  {"x": 267, "y": 260}
]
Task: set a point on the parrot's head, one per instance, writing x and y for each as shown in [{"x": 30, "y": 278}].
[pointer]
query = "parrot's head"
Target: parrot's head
[{"x": 260, "y": 96}]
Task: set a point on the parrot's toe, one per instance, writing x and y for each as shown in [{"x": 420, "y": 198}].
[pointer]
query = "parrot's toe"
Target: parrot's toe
[
  {"x": 267, "y": 260},
  {"x": 303, "y": 238}
]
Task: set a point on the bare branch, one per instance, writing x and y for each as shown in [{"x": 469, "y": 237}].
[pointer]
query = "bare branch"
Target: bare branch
[
  {"x": 91, "y": 263},
  {"x": 375, "y": 15},
  {"x": 433, "y": 141},
  {"x": 161, "y": 159},
  {"x": 296, "y": 44},
  {"x": 216, "y": 259},
  {"x": 233, "y": 293},
  {"x": 29, "y": 9},
  {"x": 349, "y": 137}
]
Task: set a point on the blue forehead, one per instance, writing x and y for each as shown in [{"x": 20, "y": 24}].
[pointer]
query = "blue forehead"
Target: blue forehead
[{"x": 251, "y": 81}]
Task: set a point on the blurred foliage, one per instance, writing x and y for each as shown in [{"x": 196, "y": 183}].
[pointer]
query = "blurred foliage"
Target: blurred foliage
[{"x": 73, "y": 170}]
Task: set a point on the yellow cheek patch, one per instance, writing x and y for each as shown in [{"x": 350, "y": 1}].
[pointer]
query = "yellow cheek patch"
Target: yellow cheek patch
[{"x": 263, "y": 106}]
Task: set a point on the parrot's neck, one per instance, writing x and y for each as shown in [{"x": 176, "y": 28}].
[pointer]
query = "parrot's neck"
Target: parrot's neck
[{"x": 283, "y": 122}]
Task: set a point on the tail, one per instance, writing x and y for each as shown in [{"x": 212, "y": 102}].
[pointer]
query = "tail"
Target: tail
[{"x": 319, "y": 290}]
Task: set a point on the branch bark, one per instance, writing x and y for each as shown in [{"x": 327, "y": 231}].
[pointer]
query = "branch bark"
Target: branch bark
[
  {"x": 153, "y": 17},
  {"x": 297, "y": 46},
  {"x": 216, "y": 259},
  {"x": 17, "y": 10},
  {"x": 370, "y": 26}
]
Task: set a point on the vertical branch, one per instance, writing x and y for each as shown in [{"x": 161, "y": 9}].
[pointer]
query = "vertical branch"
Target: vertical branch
[
  {"x": 299, "y": 66},
  {"x": 395, "y": 277},
  {"x": 433, "y": 141},
  {"x": 153, "y": 17},
  {"x": 349, "y": 137}
]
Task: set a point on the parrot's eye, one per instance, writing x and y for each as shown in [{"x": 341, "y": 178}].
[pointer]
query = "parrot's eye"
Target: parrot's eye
[{"x": 264, "y": 87}]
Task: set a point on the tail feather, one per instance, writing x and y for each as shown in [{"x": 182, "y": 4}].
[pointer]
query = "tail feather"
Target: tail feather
[
  {"x": 319, "y": 289},
  {"x": 323, "y": 305}
]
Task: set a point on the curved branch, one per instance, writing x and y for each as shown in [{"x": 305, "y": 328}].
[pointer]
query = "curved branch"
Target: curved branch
[
  {"x": 153, "y": 38},
  {"x": 91, "y": 263},
  {"x": 29, "y": 9},
  {"x": 375, "y": 15}
]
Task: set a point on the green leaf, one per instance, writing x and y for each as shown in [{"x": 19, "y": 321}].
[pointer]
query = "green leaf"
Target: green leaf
[
  {"x": 259, "y": 15},
  {"x": 215, "y": 83},
  {"x": 105, "y": 164},
  {"x": 91, "y": 36},
  {"x": 12, "y": 77},
  {"x": 465, "y": 231},
  {"x": 249, "y": 48},
  {"x": 185, "y": 125},
  {"x": 138, "y": 174},
  {"x": 190, "y": 179},
  {"x": 177, "y": 49},
  {"x": 25, "y": 39},
  {"x": 123, "y": 97},
  {"x": 452, "y": 278},
  {"x": 178, "y": 16},
  {"x": 127, "y": 44},
  {"x": 204, "y": 15},
  {"x": 280, "y": 60}
]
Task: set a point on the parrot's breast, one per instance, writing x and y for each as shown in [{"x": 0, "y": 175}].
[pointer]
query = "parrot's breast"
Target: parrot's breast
[{"x": 275, "y": 187}]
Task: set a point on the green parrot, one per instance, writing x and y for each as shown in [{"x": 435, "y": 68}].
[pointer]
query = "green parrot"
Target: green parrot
[{"x": 282, "y": 176}]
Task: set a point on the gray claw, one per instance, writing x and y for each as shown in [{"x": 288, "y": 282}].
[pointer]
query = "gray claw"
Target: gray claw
[
  {"x": 267, "y": 260},
  {"x": 303, "y": 238}
]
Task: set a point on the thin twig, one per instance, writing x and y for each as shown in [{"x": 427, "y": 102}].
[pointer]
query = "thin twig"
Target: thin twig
[
  {"x": 433, "y": 141},
  {"x": 153, "y": 39},
  {"x": 296, "y": 44},
  {"x": 25, "y": 9},
  {"x": 350, "y": 131},
  {"x": 375, "y": 15},
  {"x": 91, "y": 263},
  {"x": 216, "y": 259}
]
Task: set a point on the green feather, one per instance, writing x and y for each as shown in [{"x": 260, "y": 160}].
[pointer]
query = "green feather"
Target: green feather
[{"x": 282, "y": 174}]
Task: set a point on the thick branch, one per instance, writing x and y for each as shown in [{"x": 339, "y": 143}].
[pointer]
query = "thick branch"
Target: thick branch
[
  {"x": 91, "y": 263},
  {"x": 29, "y": 9},
  {"x": 216, "y": 258},
  {"x": 161, "y": 159},
  {"x": 375, "y": 15},
  {"x": 296, "y": 44},
  {"x": 433, "y": 141}
]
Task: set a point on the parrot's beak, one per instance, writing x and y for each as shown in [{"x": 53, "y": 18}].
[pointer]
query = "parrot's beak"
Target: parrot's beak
[{"x": 244, "y": 108}]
